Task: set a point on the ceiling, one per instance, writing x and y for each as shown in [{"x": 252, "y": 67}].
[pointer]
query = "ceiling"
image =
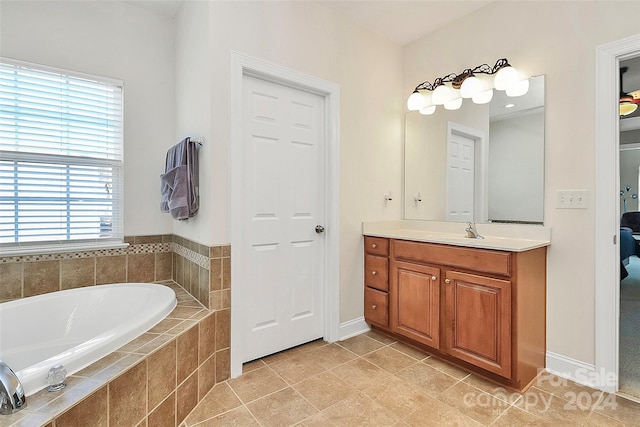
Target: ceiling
[{"x": 401, "y": 21}]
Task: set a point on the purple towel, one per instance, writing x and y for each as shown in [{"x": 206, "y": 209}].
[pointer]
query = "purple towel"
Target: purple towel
[{"x": 179, "y": 184}]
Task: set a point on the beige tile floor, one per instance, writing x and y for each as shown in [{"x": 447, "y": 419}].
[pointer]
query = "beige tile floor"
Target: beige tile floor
[{"x": 372, "y": 380}]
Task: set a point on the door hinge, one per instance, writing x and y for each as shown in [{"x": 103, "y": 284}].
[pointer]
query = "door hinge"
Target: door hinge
[{"x": 615, "y": 239}]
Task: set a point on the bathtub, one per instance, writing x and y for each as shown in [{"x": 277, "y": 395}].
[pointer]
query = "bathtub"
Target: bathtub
[{"x": 76, "y": 327}]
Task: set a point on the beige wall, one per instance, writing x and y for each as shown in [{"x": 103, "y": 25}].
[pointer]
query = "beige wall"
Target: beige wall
[
  {"x": 117, "y": 40},
  {"x": 181, "y": 69},
  {"x": 557, "y": 39},
  {"x": 311, "y": 39}
]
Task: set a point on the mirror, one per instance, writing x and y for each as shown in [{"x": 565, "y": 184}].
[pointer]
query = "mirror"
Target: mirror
[{"x": 482, "y": 163}]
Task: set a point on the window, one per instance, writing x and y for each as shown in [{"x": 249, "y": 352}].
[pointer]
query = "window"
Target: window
[{"x": 61, "y": 158}]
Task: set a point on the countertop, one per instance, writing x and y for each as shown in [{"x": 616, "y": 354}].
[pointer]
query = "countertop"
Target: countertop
[{"x": 504, "y": 237}]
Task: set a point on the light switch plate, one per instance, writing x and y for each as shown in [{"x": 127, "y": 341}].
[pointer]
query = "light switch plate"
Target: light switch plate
[{"x": 572, "y": 199}]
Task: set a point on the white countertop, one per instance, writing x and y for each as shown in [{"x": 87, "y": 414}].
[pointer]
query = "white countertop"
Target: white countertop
[{"x": 504, "y": 237}]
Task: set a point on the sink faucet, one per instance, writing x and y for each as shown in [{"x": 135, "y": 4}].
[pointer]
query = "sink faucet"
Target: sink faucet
[
  {"x": 472, "y": 233},
  {"x": 12, "y": 397}
]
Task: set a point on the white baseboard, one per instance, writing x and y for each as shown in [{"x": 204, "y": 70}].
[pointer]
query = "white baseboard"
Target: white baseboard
[
  {"x": 575, "y": 370},
  {"x": 352, "y": 328}
]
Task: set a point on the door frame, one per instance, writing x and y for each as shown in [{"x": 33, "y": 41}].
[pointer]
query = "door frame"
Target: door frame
[
  {"x": 480, "y": 170},
  {"x": 244, "y": 65},
  {"x": 607, "y": 209}
]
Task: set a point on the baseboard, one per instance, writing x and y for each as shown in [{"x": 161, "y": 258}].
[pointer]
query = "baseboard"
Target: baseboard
[
  {"x": 352, "y": 328},
  {"x": 574, "y": 370}
]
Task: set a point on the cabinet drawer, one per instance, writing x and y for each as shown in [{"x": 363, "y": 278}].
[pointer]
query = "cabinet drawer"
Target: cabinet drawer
[
  {"x": 376, "y": 246},
  {"x": 481, "y": 260},
  {"x": 376, "y": 307},
  {"x": 376, "y": 272}
]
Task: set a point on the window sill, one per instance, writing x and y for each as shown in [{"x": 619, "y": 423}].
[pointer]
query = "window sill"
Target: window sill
[{"x": 60, "y": 248}]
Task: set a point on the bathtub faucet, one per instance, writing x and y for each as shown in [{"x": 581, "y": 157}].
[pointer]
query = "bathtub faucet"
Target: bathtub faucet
[{"x": 12, "y": 397}]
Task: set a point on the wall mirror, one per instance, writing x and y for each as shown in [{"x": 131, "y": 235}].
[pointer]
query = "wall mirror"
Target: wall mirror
[{"x": 482, "y": 162}]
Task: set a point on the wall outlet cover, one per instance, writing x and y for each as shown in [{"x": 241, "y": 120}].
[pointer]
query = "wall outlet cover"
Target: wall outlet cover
[{"x": 572, "y": 199}]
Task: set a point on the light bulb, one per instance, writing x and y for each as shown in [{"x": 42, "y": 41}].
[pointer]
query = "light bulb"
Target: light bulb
[
  {"x": 454, "y": 104},
  {"x": 518, "y": 88},
  {"x": 416, "y": 101},
  {"x": 442, "y": 94},
  {"x": 470, "y": 87},
  {"x": 627, "y": 108},
  {"x": 505, "y": 76},
  {"x": 426, "y": 111},
  {"x": 483, "y": 97}
]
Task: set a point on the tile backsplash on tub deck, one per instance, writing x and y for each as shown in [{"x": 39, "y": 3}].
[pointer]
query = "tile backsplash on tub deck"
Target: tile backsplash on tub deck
[{"x": 204, "y": 271}]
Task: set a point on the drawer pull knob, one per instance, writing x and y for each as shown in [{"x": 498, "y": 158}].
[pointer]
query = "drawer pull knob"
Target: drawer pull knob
[
  {"x": 374, "y": 246},
  {"x": 374, "y": 306},
  {"x": 374, "y": 272},
  {"x": 447, "y": 280},
  {"x": 434, "y": 278}
]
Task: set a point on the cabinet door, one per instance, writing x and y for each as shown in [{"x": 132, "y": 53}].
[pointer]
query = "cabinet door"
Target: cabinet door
[
  {"x": 416, "y": 302},
  {"x": 478, "y": 321}
]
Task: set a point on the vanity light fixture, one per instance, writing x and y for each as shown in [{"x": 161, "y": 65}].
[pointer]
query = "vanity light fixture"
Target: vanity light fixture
[{"x": 467, "y": 84}]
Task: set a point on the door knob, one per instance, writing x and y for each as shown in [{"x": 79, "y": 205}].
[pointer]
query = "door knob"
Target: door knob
[
  {"x": 319, "y": 229},
  {"x": 447, "y": 280}
]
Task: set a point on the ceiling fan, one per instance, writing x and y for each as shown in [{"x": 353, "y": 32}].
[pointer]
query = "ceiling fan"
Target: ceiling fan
[{"x": 628, "y": 101}]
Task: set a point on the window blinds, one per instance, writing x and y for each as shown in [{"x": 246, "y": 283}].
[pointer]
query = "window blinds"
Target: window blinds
[{"x": 61, "y": 156}]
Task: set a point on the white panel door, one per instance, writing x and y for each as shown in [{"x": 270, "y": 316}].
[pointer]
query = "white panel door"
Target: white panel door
[
  {"x": 282, "y": 254},
  {"x": 460, "y": 177}
]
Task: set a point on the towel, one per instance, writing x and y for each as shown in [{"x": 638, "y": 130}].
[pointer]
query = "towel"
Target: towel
[{"x": 179, "y": 186}]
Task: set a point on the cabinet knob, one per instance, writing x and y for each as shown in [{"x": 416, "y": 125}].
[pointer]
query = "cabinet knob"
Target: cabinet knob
[
  {"x": 434, "y": 278},
  {"x": 374, "y": 246},
  {"x": 374, "y": 306},
  {"x": 447, "y": 280},
  {"x": 374, "y": 272}
]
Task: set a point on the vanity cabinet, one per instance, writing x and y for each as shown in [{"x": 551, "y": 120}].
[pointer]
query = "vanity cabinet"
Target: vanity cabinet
[{"x": 481, "y": 309}]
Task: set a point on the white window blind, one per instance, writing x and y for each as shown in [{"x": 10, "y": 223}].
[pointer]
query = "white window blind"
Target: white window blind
[{"x": 61, "y": 157}]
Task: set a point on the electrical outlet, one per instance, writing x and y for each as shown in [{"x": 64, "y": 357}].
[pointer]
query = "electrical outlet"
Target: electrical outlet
[{"x": 572, "y": 199}]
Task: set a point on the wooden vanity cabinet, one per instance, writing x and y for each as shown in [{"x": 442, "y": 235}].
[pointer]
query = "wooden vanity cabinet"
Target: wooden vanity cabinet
[{"x": 484, "y": 310}]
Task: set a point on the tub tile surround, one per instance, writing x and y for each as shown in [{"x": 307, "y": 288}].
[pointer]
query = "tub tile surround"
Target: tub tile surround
[
  {"x": 156, "y": 379},
  {"x": 204, "y": 271},
  {"x": 159, "y": 377}
]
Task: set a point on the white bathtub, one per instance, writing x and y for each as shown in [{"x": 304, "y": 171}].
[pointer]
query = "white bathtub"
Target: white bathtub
[{"x": 76, "y": 327}]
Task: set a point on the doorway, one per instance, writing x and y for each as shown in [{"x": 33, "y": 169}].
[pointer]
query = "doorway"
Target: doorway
[
  {"x": 466, "y": 174},
  {"x": 629, "y": 340},
  {"x": 607, "y": 206},
  {"x": 308, "y": 261}
]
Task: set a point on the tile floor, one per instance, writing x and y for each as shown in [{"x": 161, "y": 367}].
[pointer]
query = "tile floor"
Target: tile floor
[{"x": 372, "y": 380}]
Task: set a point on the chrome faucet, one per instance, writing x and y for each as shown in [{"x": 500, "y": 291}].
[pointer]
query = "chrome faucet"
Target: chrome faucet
[
  {"x": 472, "y": 233},
  {"x": 12, "y": 397}
]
